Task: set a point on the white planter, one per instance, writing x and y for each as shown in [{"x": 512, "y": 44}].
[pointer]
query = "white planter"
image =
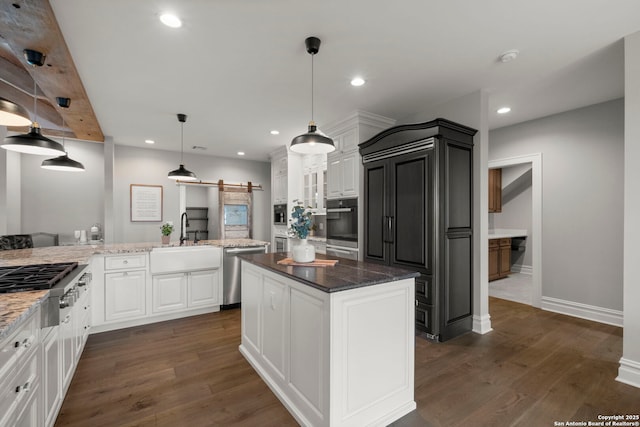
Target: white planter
[{"x": 304, "y": 252}]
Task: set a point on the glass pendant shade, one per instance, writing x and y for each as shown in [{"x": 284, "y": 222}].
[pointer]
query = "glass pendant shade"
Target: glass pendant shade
[
  {"x": 312, "y": 142},
  {"x": 63, "y": 163},
  {"x": 33, "y": 143},
  {"x": 12, "y": 114},
  {"x": 182, "y": 174}
]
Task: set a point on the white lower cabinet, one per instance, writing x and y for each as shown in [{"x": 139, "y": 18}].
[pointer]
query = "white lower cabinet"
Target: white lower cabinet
[
  {"x": 20, "y": 401},
  {"x": 51, "y": 375},
  {"x": 125, "y": 295},
  {"x": 204, "y": 288},
  {"x": 180, "y": 291}
]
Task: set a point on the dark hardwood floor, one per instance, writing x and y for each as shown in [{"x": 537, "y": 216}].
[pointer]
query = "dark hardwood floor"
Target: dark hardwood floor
[{"x": 534, "y": 368}]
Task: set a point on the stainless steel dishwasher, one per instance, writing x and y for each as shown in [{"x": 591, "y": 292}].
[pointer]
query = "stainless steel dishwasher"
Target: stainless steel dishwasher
[{"x": 231, "y": 288}]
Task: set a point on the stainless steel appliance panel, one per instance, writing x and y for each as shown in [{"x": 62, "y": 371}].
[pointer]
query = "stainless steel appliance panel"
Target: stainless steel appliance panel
[
  {"x": 342, "y": 252},
  {"x": 231, "y": 285},
  {"x": 342, "y": 222},
  {"x": 280, "y": 244}
]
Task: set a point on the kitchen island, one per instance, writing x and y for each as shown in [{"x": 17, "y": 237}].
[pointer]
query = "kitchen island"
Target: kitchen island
[{"x": 335, "y": 344}]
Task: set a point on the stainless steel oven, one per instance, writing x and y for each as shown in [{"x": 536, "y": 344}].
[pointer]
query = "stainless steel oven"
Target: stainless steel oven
[{"x": 342, "y": 223}]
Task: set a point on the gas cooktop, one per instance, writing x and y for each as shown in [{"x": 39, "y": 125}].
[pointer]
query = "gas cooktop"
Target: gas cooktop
[{"x": 33, "y": 277}]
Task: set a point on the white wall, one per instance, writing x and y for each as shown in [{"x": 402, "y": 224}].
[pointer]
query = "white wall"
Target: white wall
[
  {"x": 61, "y": 202},
  {"x": 582, "y": 152},
  {"x": 10, "y": 203},
  {"x": 145, "y": 166},
  {"x": 629, "y": 371}
]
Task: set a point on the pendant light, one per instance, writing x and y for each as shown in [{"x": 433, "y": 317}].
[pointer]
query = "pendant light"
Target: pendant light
[
  {"x": 181, "y": 173},
  {"x": 63, "y": 163},
  {"x": 312, "y": 142},
  {"x": 33, "y": 142},
  {"x": 12, "y": 114}
]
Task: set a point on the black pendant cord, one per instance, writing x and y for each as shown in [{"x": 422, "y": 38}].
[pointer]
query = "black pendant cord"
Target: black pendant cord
[
  {"x": 35, "y": 102},
  {"x": 181, "y": 143},
  {"x": 312, "y": 55}
]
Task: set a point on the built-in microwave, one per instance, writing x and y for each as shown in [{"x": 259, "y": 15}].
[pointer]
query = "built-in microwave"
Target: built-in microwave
[{"x": 280, "y": 214}]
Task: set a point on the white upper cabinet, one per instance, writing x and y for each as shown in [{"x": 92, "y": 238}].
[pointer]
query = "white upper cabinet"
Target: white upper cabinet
[{"x": 344, "y": 164}]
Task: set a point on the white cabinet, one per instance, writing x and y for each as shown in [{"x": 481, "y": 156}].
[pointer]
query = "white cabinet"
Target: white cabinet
[
  {"x": 67, "y": 347},
  {"x": 279, "y": 171},
  {"x": 169, "y": 292},
  {"x": 180, "y": 291},
  {"x": 314, "y": 168},
  {"x": 204, "y": 288},
  {"x": 20, "y": 374},
  {"x": 51, "y": 375},
  {"x": 343, "y": 175},
  {"x": 344, "y": 164},
  {"x": 125, "y": 295}
]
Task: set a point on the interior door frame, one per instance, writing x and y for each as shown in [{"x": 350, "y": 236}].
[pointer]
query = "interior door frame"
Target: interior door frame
[{"x": 535, "y": 240}]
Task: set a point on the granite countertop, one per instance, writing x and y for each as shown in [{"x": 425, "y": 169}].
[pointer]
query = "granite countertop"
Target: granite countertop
[
  {"x": 18, "y": 305},
  {"x": 346, "y": 274},
  {"x": 505, "y": 233},
  {"x": 82, "y": 253},
  {"x": 14, "y": 307}
]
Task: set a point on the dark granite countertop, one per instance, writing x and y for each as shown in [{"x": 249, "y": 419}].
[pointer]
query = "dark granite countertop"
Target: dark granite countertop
[{"x": 346, "y": 274}]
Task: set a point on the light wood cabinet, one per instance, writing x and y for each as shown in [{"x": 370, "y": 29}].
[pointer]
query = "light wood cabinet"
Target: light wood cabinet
[
  {"x": 495, "y": 190},
  {"x": 499, "y": 258}
]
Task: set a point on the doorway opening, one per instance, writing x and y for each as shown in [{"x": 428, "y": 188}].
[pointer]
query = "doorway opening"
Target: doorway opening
[{"x": 534, "y": 240}]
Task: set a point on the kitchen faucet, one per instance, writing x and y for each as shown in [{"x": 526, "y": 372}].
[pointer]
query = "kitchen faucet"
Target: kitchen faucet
[
  {"x": 195, "y": 238},
  {"x": 184, "y": 221}
]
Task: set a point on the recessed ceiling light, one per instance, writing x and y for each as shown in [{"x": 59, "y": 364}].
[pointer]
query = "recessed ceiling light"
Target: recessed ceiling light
[
  {"x": 275, "y": 132},
  {"x": 240, "y": 153},
  {"x": 170, "y": 20},
  {"x": 503, "y": 110},
  {"x": 149, "y": 141},
  {"x": 357, "y": 81}
]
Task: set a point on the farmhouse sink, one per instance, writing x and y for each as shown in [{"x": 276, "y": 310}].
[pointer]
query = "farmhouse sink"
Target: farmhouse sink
[{"x": 175, "y": 259}]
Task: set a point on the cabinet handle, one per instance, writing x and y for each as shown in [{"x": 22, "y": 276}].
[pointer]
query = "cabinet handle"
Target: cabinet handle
[
  {"x": 389, "y": 231},
  {"x": 18, "y": 389},
  {"x": 16, "y": 344},
  {"x": 125, "y": 262}
]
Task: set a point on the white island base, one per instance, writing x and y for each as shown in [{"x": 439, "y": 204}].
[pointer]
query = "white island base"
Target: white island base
[{"x": 341, "y": 358}]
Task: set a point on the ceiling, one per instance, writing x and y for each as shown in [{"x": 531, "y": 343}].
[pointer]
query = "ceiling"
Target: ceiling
[{"x": 238, "y": 68}]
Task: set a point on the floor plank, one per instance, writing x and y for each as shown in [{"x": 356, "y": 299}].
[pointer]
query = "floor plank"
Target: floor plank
[{"x": 533, "y": 369}]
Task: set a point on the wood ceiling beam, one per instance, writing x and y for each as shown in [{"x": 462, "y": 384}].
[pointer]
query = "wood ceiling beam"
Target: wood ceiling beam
[{"x": 31, "y": 24}]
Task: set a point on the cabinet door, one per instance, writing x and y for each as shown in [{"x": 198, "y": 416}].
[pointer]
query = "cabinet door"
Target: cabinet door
[
  {"x": 505, "y": 257},
  {"x": 494, "y": 259},
  {"x": 375, "y": 212},
  {"x": 410, "y": 212},
  {"x": 204, "y": 287},
  {"x": 125, "y": 295},
  {"x": 334, "y": 177},
  {"x": 350, "y": 163},
  {"x": 169, "y": 292},
  {"x": 274, "y": 321},
  {"x": 68, "y": 357},
  {"x": 51, "y": 376},
  {"x": 495, "y": 190}
]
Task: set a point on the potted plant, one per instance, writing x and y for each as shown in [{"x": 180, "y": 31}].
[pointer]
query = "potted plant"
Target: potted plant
[
  {"x": 300, "y": 227},
  {"x": 167, "y": 229}
]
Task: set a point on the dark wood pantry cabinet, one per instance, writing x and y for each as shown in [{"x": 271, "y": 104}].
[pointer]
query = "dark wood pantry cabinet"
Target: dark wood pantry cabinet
[{"x": 418, "y": 214}]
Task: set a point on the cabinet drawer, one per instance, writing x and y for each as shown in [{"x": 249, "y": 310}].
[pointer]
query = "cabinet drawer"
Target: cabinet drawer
[
  {"x": 425, "y": 292},
  {"x": 15, "y": 389},
  {"x": 426, "y": 318},
  {"x": 125, "y": 262},
  {"x": 505, "y": 242},
  {"x": 19, "y": 345},
  {"x": 494, "y": 243}
]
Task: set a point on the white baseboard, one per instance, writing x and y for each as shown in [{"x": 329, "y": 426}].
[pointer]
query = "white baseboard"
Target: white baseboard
[
  {"x": 584, "y": 311},
  {"x": 629, "y": 372},
  {"x": 523, "y": 269},
  {"x": 482, "y": 324}
]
